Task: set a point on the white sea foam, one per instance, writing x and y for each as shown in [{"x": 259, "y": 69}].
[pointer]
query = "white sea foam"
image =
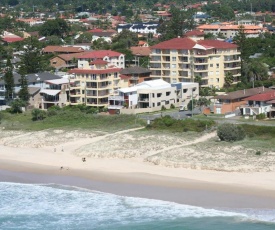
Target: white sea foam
[{"x": 77, "y": 206}]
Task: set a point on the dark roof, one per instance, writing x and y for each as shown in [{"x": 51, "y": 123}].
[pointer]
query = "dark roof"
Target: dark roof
[
  {"x": 135, "y": 70},
  {"x": 33, "y": 90},
  {"x": 33, "y": 77},
  {"x": 241, "y": 94}
]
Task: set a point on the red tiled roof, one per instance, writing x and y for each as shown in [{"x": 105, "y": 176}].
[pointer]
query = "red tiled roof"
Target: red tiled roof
[
  {"x": 176, "y": 43},
  {"x": 217, "y": 44},
  {"x": 94, "y": 71},
  {"x": 100, "y": 54},
  {"x": 68, "y": 57},
  {"x": 62, "y": 49},
  {"x": 12, "y": 39},
  {"x": 95, "y": 30},
  {"x": 194, "y": 33},
  {"x": 99, "y": 62},
  {"x": 267, "y": 96},
  {"x": 188, "y": 43},
  {"x": 140, "y": 51}
]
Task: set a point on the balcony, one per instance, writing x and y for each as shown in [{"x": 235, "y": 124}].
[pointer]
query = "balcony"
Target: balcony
[
  {"x": 229, "y": 60},
  {"x": 200, "y": 69},
  {"x": 232, "y": 67},
  {"x": 75, "y": 86},
  {"x": 116, "y": 98}
]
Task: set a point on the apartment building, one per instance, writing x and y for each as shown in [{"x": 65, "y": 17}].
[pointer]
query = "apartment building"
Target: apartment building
[
  {"x": 150, "y": 96},
  {"x": 230, "y": 31},
  {"x": 93, "y": 82},
  {"x": 182, "y": 59}
]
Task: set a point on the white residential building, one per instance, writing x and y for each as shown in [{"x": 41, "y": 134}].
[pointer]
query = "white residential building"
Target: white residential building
[{"x": 150, "y": 96}]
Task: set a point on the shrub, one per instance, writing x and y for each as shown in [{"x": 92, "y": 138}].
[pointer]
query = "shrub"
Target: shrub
[
  {"x": 163, "y": 108},
  {"x": 260, "y": 116},
  {"x": 229, "y": 132},
  {"x": 172, "y": 106},
  {"x": 38, "y": 114},
  {"x": 258, "y": 153}
]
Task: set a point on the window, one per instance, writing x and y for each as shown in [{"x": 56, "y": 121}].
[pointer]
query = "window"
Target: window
[
  {"x": 174, "y": 66},
  {"x": 211, "y": 65},
  {"x": 166, "y": 102},
  {"x": 153, "y": 105},
  {"x": 174, "y": 73},
  {"x": 168, "y": 93},
  {"x": 184, "y": 90},
  {"x": 174, "y": 58},
  {"x": 159, "y": 94},
  {"x": 158, "y": 104},
  {"x": 211, "y": 73},
  {"x": 217, "y": 80},
  {"x": 153, "y": 95},
  {"x": 217, "y": 72},
  {"x": 217, "y": 65}
]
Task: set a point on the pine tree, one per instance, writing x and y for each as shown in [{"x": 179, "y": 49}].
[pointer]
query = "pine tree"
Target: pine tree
[
  {"x": 9, "y": 81},
  {"x": 24, "y": 91}
]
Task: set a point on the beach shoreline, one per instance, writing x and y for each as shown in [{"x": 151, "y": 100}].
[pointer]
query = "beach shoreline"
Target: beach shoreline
[
  {"x": 55, "y": 157},
  {"x": 143, "y": 185}
]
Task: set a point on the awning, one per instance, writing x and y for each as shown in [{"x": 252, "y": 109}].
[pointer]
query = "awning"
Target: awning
[{"x": 51, "y": 92}]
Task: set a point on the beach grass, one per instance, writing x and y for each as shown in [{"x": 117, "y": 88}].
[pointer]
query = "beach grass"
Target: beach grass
[{"x": 70, "y": 120}]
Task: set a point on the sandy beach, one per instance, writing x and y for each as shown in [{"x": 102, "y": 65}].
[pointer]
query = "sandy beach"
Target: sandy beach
[{"x": 135, "y": 163}]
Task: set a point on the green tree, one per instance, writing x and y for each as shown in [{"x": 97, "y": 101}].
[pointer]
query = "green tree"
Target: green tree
[
  {"x": 9, "y": 81},
  {"x": 125, "y": 39},
  {"x": 191, "y": 104},
  {"x": 58, "y": 27},
  {"x": 85, "y": 37},
  {"x": 17, "y": 105},
  {"x": 241, "y": 41},
  {"x": 32, "y": 59},
  {"x": 203, "y": 101},
  {"x": 24, "y": 91},
  {"x": 228, "y": 79}
]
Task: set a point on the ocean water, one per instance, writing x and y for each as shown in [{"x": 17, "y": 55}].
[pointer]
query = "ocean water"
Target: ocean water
[{"x": 28, "y": 206}]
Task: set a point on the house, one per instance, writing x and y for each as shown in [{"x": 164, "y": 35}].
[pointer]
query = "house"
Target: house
[
  {"x": 261, "y": 103},
  {"x": 93, "y": 81},
  {"x": 150, "y": 96},
  {"x": 8, "y": 37},
  {"x": 135, "y": 75},
  {"x": 37, "y": 80},
  {"x": 182, "y": 59},
  {"x": 57, "y": 93},
  {"x": 233, "y": 101},
  {"x": 113, "y": 58},
  {"x": 139, "y": 52},
  {"x": 68, "y": 61}
]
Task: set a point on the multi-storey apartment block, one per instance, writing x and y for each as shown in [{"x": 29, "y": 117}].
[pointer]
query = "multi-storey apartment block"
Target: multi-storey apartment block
[
  {"x": 182, "y": 59},
  {"x": 93, "y": 82}
]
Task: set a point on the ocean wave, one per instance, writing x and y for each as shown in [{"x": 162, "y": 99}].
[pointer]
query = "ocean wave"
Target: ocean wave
[{"x": 30, "y": 204}]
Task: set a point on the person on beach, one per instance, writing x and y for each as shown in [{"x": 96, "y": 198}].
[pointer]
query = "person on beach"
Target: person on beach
[{"x": 83, "y": 159}]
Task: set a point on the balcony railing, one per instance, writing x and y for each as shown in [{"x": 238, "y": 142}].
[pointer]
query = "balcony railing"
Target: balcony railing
[{"x": 116, "y": 98}]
